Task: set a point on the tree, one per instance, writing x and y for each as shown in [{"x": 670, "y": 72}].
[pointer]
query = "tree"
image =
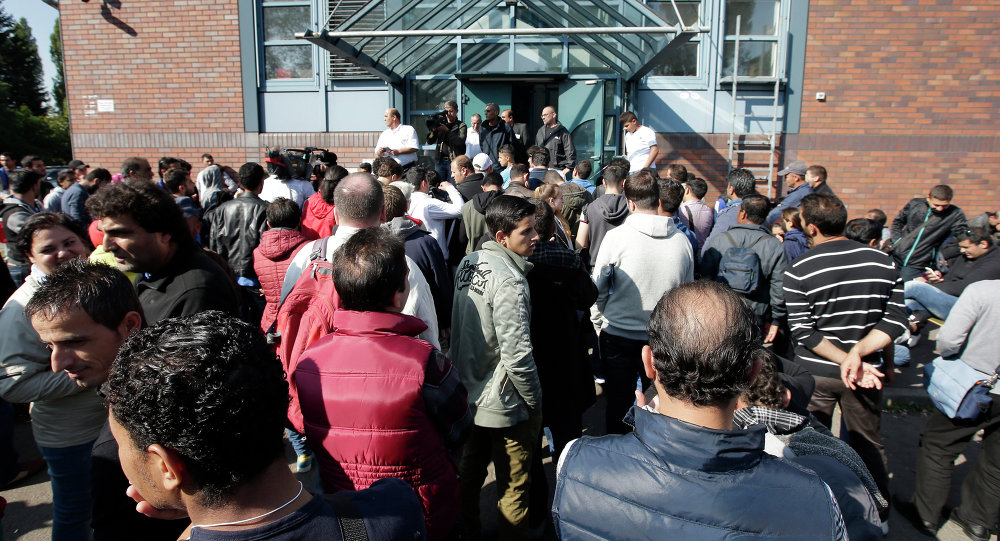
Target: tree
[
  {"x": 59, "y": 82},
  {"x": 20, "y": 66}
]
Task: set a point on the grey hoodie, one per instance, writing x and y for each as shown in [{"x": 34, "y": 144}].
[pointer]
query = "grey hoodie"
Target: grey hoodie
[
  {"x": 639, "y": 261},
  {"x": 602, "y": 215}
]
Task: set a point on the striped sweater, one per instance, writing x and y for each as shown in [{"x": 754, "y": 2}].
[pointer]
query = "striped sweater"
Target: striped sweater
[{"x": 840, "y": 290}]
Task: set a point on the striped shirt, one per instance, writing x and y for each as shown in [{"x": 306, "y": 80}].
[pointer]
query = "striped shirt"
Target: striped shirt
[{"x": 841, "y": 290}]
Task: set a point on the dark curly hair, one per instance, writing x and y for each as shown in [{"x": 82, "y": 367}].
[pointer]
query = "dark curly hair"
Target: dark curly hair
[
  {"x": 47, "y": 220},
  {"x": 767, "y": 390},
  {"x": 208, "y": 387},
  {"x": 149, "y": 205},
  {"x": 704, "y": 339}
]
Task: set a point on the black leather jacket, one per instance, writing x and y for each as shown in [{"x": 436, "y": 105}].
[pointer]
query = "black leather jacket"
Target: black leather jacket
[{"x": 234, "y": 231}]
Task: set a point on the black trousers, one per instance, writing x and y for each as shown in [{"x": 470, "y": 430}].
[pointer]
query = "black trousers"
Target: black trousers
[
  {"x": 621, "y": 359},
  {"x": 942, "y": 441},
  {"x": 862, "y": 416}
]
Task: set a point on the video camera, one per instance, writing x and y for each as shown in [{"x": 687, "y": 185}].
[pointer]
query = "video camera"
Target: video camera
[{"x": 437, "y": 119}]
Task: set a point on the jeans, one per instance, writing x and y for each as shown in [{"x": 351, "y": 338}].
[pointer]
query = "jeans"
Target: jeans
[
  {"x": 943, "y": 439},
  {"x": 8, "y": 456},
  {"x": 443, "y": 168},
  {"x": 511, "y": 449},
  {"x": 69, "y": 469},
  {"x": 621, "y": 359},
  {"x": 924, "y": 296},
  {"x": 299, "y": 442},
  {"x": 18, "y": 274}
]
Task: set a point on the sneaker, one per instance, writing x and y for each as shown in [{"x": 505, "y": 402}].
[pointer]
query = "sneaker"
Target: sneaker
[
  {"x": 913, "y": 341},
  {"x": 304, "y": 463}
]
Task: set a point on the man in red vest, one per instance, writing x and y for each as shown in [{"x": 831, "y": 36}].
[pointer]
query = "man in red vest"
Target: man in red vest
[{"x": 382, "y": 402}]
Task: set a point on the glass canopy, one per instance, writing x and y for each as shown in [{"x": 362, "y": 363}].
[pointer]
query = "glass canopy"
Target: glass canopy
[{"x": 395, "y": 38}]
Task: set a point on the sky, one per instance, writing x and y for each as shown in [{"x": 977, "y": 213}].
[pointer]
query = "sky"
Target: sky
[{"x": 42, "y": 19}]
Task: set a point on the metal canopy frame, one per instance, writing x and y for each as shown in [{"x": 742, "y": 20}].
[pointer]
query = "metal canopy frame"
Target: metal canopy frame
[{"x": 631, "y": 49}]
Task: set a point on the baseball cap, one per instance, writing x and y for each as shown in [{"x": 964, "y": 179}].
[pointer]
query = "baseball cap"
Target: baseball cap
[
  {"x": 76, "y": 164},
  {"x": 799, "y": 168},
  {"x": 482, "y": 162}
]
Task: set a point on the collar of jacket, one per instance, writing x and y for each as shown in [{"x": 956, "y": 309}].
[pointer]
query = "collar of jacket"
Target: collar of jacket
[
  {"x": 495, "y": 248},
  {"x": 694, "y": 447},
  {"x": 377, "y": 323}
]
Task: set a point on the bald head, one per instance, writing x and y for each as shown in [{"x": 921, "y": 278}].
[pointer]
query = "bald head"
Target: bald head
[
  {"x": 359, "y": 201},
  {"x": 549, "y": 116}
]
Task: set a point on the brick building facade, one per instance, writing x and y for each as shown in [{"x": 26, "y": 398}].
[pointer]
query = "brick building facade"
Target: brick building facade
[{"x": 912, "y": 96}]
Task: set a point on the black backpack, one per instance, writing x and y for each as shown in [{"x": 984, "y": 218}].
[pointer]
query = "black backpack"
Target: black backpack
[{"x": 739, "y": 267}]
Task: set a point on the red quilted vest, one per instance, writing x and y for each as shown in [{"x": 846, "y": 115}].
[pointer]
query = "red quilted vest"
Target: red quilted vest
[{"x": 360, "y": 392}]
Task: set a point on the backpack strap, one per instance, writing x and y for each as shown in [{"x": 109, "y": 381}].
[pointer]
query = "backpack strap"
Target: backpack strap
[
  {"x": 319, "y": 249},
  {"x": 687, "y": 210},
  {"x": 760, "y": 238},
  {"x": 352, "y": 526}
]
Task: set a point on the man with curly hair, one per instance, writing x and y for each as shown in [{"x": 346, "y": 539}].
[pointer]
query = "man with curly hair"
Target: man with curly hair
[
  {"x": 197, "y": 405},
  {"x": 702, "y": 355},
  {"x": 147, "y": 233}
]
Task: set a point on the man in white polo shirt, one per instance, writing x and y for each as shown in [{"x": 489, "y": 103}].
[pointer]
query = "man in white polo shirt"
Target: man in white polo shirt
[
  {"x": 640, "y": 143},
  {"x": 398, "y": 141}
]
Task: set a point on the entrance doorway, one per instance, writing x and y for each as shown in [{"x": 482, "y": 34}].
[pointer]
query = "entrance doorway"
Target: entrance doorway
[{"x": 580, "y": 104}]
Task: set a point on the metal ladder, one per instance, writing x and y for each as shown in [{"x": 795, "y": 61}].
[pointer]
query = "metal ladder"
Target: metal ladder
[{"x": 745, "y": 143}]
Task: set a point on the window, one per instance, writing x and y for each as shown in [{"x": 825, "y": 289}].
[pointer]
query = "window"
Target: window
[
  {"x": 759, "y": 26},
  {"x": 339, "y": 12},
  {"x": 686, "y": 62},
  {"x": 284, "y": 56}
]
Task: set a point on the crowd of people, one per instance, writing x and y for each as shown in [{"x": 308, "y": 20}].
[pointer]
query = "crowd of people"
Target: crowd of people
[{"x": 407, "y": 324}]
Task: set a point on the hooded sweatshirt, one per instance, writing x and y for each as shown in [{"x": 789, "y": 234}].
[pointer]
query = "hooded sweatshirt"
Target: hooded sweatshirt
[
  {"x": 638, "y": 262},
  {"x": 425, "y": 252},
  {"x": 270, "y": 261},
  {"x": 317, "y": 217},
  {"x": 604, "y": 214},
  {"x": 474, "y": 218}
]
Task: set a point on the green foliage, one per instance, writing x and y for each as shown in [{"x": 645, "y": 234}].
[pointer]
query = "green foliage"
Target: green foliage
[
  {"x": 59, "y": 82},
  {"x": 21, "y": 68},
  {"x": 23, "y": 133},
  {"x": 25, "y": 127}
]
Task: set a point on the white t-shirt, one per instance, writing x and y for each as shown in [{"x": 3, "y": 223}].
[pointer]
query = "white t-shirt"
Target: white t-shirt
[
  {"x": 637, "y": 145},
  {"x": 419, "y": 303},
  {"x": 295, "y": 189},
  {"x": 395, "y": 139},
  {"x": 472, "y": 143},
  {"x": 434, "y": 213}
]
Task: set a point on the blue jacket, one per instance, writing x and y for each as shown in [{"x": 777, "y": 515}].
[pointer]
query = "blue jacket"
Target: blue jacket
[
  {"x": 673, "y": 480},
  {"x": 793, "y": 199},
  {"x": 725, "y": 219}
]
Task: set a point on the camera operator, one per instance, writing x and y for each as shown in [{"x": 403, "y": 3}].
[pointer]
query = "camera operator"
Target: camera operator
[{"x": 449, "y": 133}]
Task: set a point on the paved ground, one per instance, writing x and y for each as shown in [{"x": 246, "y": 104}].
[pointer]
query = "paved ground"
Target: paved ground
[{"x": 29, "y": 509}]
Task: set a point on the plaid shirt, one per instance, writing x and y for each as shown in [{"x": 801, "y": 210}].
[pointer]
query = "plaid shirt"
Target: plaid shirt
[
  {"x": 777, "y": 421},
  {"x": 556, "y": 254}
]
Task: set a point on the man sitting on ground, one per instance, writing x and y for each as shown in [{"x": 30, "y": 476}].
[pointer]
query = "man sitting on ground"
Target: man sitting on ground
[
  {"x": 935, "y": 293},
  {"x": 701, "y": 356},
  {"x": 197, "y": 405}
]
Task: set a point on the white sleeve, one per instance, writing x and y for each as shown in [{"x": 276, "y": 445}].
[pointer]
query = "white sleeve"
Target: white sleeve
[
  {"x": 295, "y": 269},
  {"x": 440, "y": 209},
  {"x": 409, "y": 139},
  {"x": 420, "y": 303}
]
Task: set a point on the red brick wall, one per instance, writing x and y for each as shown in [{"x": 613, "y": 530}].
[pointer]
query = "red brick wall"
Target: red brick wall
[
  {"x": 171, "y": 67},
  {"x": 912, "y": 100}
]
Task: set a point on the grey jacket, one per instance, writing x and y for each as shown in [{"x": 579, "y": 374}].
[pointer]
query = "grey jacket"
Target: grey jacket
[
  {"x": 491, "y": 336},
  {"x": 969, "y": 333},
  {"x": 768, "y": 302},
  {"x": 62, "y": 413}
]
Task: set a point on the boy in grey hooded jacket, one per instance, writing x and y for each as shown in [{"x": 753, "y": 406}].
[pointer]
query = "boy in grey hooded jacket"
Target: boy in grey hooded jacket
[{"x": 491, "y": 349}]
